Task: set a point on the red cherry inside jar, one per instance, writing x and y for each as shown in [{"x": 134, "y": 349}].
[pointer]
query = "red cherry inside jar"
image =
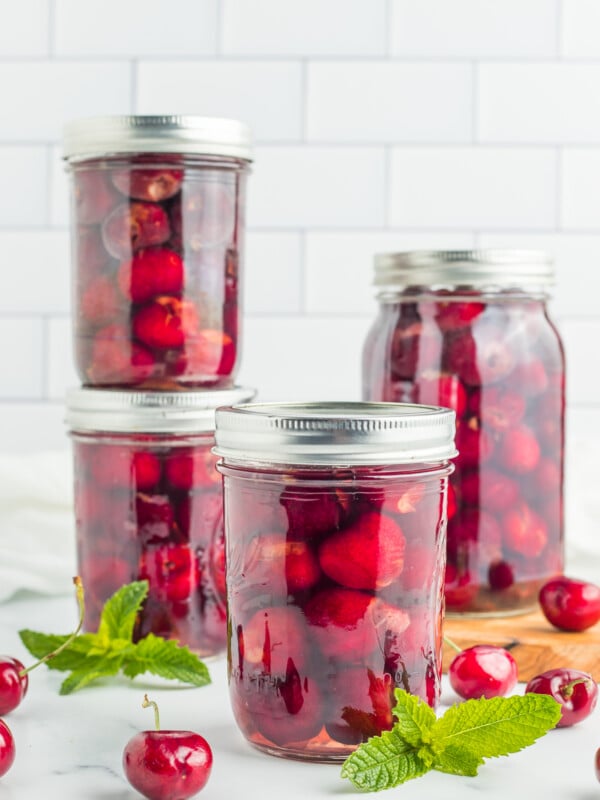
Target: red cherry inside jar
[
  {"x": 334, "y": 573},
  {"x": 157, "y": 234},
  {"x": 487, "y": 349}
]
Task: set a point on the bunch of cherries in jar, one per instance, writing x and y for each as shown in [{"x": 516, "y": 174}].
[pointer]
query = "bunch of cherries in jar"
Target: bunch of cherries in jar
[
  {"x": 156, "y": 250},
  {"x": 499, "y": 365},
  {"x": 332, "y": 602},
  {"x": 154, "y": 512}
]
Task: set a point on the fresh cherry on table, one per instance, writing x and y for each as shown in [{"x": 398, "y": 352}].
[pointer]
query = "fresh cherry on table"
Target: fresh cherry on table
[
  {"x": 13, "y": 683},
  {"x": 7, "y": 748},
  {"x": 14, "y": 677},
  {"x": 576, "y": 692},
  {"x": 167, "y": 765},
  {"x": 569, "y": 604},
  {"x": 483, "y": 670}
]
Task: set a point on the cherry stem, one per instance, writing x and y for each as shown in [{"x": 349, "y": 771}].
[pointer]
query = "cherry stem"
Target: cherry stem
[
  {"x": 567, "y": 689},
  {"x": 81, "y": 604},
  {"x": 452, "y": 644},
  {"x": 146, "y": 704}
]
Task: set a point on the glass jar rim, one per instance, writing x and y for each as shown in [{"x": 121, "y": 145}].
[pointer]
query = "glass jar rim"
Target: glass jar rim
[
  {"x": 335, "y": 433},
  {"x": 94, "y": 137},
  {"x": 489, "y": 269},
  {"x": 131, "y": 411}
]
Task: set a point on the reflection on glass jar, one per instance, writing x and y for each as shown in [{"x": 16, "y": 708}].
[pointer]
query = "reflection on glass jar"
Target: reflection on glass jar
[
  {"x": 157, "y": 240},
  {"x": 471, "y": 331},
  {"x": 335, "y": 558},
  {"x": 148, "y": 506}
]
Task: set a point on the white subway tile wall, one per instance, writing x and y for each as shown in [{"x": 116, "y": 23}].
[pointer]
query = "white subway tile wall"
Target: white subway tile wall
[{"x": 379, "y": 125}]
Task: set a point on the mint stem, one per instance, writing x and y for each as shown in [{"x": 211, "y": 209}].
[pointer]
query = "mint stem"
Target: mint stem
[
  {"x": 146, "y": 704},
  {"x": 81, "y": 604}
]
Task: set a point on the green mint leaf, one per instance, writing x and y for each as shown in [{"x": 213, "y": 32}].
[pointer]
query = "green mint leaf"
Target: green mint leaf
[
  {"x": 120, "y": 611},
  {"x": 73, "y": 657},
  {"x": 415, "y": 718},
  {"x": 90, "y": 656},
  {"x": 383, "y": 762},
  {"x": 457, "y": 761},
  {"x": 96, "y": 667},
  {"x": 167, "y": 659},
  {"x": 496, "y": 727}
]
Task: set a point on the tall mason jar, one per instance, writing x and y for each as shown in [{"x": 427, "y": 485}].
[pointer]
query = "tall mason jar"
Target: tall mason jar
[
  {"x": 148, "y": 506},
  {"x": 335, "y": 522},
  {"x": 470, "y": 330},
  {"x": 157, "y": 229}
]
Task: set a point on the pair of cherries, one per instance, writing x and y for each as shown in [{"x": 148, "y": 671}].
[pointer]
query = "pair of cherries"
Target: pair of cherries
[{"x": 490, "y": 671}]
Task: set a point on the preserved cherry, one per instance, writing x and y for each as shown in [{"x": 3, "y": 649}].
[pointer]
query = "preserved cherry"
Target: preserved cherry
[
  {"x": 148, "y": 505},
  {"x": 487, "y": 349},
  {"x": 157, "y": 250},
  {"x": 334, "y": 595}
]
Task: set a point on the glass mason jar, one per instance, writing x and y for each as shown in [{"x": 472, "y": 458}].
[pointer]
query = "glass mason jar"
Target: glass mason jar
[
  {"x": 157, "y": 224},
  {"x": 471, "y": 331},
  {"x": 335, "y": 520},
  {"x": 148, "y": 505}
]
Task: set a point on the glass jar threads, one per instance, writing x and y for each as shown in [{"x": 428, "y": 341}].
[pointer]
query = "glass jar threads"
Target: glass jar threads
[
  {"x": 335, "y": 517},
  {"x": 148, "y": 505},
  {"x": 157, "y": 242},
  {"x": 470, "y": 330}
]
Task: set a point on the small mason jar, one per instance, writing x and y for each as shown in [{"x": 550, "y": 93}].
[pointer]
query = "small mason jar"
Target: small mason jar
[
  {"x": 470, "y": 330},
  {"x": 148, "y": 505},
  {"x": 157, "y": 224},
  {"x": 335, "y": 521}
]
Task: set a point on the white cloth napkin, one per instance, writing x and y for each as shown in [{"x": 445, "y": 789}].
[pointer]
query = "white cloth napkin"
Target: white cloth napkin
[{"x": 37, "y": 524}]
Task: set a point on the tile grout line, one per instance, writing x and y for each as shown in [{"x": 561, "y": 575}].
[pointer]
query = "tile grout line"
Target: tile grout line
[
  {"x": 558, "y": 189},
  {"x": 475, "y": 102},
  {"x": 559, "y": 31},
  {"x": 133, "y": 89},
  {"x": 304, "y": 89},
  {"x": 219, "y": 31},
  {"x": 51, "y": 28}
]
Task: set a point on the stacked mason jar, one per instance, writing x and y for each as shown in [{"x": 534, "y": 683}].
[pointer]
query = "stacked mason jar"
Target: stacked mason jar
[{"x": 157, "y": 242}]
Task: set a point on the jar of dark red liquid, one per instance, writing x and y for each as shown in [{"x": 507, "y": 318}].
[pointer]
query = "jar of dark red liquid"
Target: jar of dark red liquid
[
  {"x": 470, "y": 330},
  {"x": 157, "y": 240},
  {"x": 148, "y": 505},
  {"x": 335, "y": 520}
]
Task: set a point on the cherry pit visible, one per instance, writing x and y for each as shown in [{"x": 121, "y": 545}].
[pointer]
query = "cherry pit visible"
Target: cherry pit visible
[
  {"x": 157, "y": 241},
  {"x": 148, "y": 505},
  {"x": 335, "y": 520},
  {"x": 471, "y": 331}
]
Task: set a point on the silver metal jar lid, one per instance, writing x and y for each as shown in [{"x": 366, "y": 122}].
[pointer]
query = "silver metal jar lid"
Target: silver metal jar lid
[
  {"x": 94, "y": 137},
  {"x": 115, "y": 411},
  {"x": 335, "y": 433},
  {"x": 476, "y": 268}
]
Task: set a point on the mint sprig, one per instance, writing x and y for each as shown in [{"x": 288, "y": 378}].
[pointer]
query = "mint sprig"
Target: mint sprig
[
  {"x": 91, "y": 656},
  {"x": 457, "y": 743}
]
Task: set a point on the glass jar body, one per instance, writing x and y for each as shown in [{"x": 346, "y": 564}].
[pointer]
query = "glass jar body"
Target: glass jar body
[
  {"x": 157, "y": 252},
  {"x": 334, "y": 588},
  {"x": 497, "y": 360},
  {"x": 149, "y": 506}
]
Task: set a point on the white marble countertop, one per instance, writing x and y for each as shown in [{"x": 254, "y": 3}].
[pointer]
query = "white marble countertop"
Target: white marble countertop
[{"x": 70, "y": 748}]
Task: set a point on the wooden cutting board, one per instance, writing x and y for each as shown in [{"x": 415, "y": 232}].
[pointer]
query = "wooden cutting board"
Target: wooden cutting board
[{"x": 534, "y": 644}]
